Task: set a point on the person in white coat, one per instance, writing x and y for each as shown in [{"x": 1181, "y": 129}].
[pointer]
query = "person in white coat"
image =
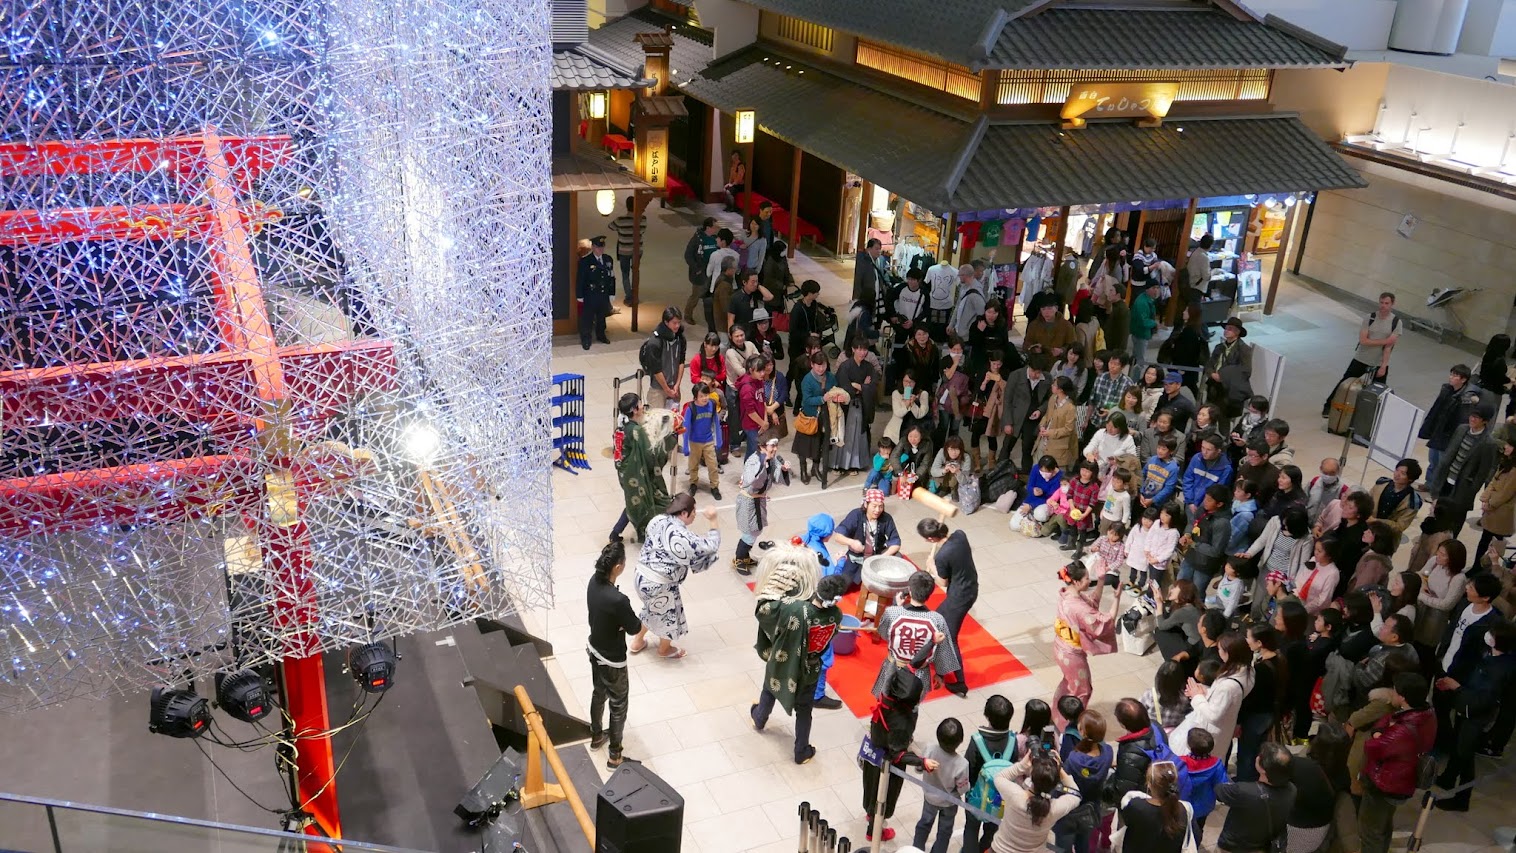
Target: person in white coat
[
  {"x": 1215, "y": 707},
  {"x": 1110, "y": 444}
]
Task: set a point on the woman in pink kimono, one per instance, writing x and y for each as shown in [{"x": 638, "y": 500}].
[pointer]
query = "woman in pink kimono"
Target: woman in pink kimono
[{"x": 1080, "y": 630}]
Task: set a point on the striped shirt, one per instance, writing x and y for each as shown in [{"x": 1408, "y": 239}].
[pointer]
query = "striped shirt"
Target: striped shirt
[{"x": 622, "y": 226}]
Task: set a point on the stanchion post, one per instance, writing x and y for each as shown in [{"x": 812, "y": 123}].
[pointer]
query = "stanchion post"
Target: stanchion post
[
  {"x": 805, "y": 827},
  {"x": 812, "y": 836},
  {"x": 879, "y": 798}
]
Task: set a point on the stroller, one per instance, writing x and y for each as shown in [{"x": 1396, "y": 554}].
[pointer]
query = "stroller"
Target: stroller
[{"x": 1135, "y": 629}]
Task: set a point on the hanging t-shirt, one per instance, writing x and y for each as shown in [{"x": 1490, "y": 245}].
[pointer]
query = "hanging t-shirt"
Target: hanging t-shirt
[
  {"x": 970, "y": 233},
  {"x": 1033, "y": 228},
  {"x": 989, "y": 235}
]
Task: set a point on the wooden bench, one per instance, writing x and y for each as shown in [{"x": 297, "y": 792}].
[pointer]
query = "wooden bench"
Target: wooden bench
[
  {"x": 675, "y": 189},
  {"x": 617, "y": 144},
  {"x": 804, "y": 231}
]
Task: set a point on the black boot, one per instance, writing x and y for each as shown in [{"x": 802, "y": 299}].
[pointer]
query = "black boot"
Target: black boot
[{"x": 805, "y": 472}]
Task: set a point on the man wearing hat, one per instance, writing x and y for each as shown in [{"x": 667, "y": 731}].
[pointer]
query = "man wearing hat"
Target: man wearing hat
[
  {"x": 593, "y": 288},
  {"x": 1143, "y": 321},
  {"x": 761, "y": 333},
  {"x": 1229, "y": 372},
  {"x": 970, "y": 305},
  {"x": 750, "y": 296},
  {"x": 1464, "y": 468},
  {"x": 1177, "y": 401}
]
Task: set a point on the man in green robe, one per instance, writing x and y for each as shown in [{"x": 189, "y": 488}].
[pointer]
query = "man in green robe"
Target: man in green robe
[
  {"x": 793, "y": 634},
  {"x": 639, "y": 465}
]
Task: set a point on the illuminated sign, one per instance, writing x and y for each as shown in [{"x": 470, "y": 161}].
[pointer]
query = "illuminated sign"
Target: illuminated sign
[{"x": 1148, "y": 101}]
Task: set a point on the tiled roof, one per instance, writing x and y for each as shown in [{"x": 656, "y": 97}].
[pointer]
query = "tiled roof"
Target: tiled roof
[
  {"x": 582, "y": 170},
  {"x": 1050, "y": 35},
  {"x": 908, "y": 148},
  {"x": 692, "y": 46},
  {"x": 583, "y": 67},
  {"x": 1040, "y": 166},
  {"x": 1095, "y": 38},
  {"x": 914, "y": 151}
]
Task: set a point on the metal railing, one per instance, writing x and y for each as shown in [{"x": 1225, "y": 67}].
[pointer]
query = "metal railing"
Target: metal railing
[{"x": 37, "y": 824}]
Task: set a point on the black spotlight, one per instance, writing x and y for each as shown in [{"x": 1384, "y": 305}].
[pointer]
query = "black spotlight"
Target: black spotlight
[
  {"x": 178, "y": 713},
  {"x": 373, "y": 667},
  {"x": 243, "y": 695}
]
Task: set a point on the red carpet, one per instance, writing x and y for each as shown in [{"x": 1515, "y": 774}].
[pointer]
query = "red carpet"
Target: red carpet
[
  {"x": 986, "y": 662},
  {"x": 852, "y": 676}
]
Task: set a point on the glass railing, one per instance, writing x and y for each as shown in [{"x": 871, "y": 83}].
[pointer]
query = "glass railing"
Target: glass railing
[{"x": 34, "y": 825}]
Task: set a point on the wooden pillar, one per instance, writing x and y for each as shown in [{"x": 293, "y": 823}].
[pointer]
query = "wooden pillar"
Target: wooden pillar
[
  {"x": 573, "y": 249},
  {"x": 795, "y": 200},
  {"x": 1061, "y": 241},
  {"x": 864, "y": 207},
  {"x": 1142, "y": 216},
  {"x": 945, "y": 250},
  {"x": 1182, "y": 254},
  {"x": 1280, "y": 257},
  {"x": 747, "y": 207},
  {"x": 636, "y": 255}
]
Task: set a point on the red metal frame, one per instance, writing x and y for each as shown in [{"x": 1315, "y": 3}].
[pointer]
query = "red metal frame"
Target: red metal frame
[{"x": 239, "y": 388}]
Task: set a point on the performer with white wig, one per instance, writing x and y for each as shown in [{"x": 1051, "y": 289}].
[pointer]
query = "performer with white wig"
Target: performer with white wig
[{"x": 670, "y": 551}]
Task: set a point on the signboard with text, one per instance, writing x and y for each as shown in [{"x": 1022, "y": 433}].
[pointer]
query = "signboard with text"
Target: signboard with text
[
  {"x": 1149, "y": 101},
  {"x": 653, "y": 156}
]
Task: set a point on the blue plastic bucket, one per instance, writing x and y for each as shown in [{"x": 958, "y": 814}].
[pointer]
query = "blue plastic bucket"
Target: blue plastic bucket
[{"x": 846, "y": 641}]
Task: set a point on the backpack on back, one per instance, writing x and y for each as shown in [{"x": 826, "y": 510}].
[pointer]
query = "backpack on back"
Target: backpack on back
[
  {"x": 1162, "y": 752},
  {"x": 984, "y": 796}
]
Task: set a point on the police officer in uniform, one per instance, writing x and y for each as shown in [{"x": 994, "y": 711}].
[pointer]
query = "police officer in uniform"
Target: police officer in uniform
[{"x": 594, "y": 288}]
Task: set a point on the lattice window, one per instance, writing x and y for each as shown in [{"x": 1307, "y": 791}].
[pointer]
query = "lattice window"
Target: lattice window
[
  {"x": 919, "y": 68},
  {"x": 804, "y": 33},
  {"x": 1052, "y": 86}
]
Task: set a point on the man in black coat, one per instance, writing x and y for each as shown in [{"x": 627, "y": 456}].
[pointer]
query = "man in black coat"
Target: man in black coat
[
  {"x": 1464, "y": 468},
  {"x": 1461, "y": 649},
  {"x": 697, "y": 254},
  {"x": 593, "y": 287},
  {"x": 1026, "y": 396},
  {"x": 1476, "y": 702},
  {"x": 1449, "y": 411},
  {"x": 866, "y": 284}
]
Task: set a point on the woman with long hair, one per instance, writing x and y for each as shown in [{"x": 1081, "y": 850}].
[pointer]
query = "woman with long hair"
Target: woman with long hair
[
  {"x": 1058, "y": 432},
  {"x": 1156, "y": 820},
  {"x": 1286, "y": 546},
  {"x": 1263, "y": 708},
  {"x": 1491, "y": 376},
  {"x": 736, "y": 180},
  {"x": 1294, "y": 625},
  {"x": 1215, "y": 707},
  {"x": 1319, "y": 776},
  {"x": 1177, "y": 630},
  {"x": 1441, "y": 592},
  {"x": 1165, "y": 700},
  {"x": 669, "y": 554},
  {"x": 988, "y": 387},
  {"x": 1089, "y": 761},
  {"x": 1151, "y": 388},
  {"x": 1498, "y": 506},
  {"x": 1080, "y": 629},
  {"x": 1037, "y": 793},
  {"x": 811, "y": 448},
  {"x": 1401, "y": 592},
  {"x": 1189, "y": 346},
  {"x": 1288, "y": 493},
  {"x": 991, "y": 332}
]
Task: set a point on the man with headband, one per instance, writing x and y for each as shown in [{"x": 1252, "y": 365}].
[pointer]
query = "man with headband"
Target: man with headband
[
  {"x": 866, "y": 532},
  {"x": 797, "y": 618}
]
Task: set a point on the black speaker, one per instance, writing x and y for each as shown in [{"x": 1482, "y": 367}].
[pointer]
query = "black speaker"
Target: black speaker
[{"x": 637, "y": 812}]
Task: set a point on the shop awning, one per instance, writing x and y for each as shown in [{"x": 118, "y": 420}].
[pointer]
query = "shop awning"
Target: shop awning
[
  {"x": 584, "y": 67},
  {"x": 1043, "y": 166},
  {"x": 692, "y": 46},
  {"x": 949, "y": 162},
  {"x": 584, "y": 171},
  {"x": 897, "y": 144}
]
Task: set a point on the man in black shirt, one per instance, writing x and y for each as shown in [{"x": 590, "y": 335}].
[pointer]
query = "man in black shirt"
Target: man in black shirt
[
  {"x": 611, "y": 619},
  {"x": 954, "y": 563},
  {"x": 1260, "y": 811}
]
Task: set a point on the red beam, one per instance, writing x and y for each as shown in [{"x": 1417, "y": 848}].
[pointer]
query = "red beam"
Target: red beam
[
  {"x": 305, "y": 700},
  {"x": 142, "y": 222},
  {"x": 248, "y": 156},
  {"x": 200, "y": 388}
]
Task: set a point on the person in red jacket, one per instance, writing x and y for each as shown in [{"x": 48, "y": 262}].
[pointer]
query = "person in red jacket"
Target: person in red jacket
[{"x": 1390, "y": 757}]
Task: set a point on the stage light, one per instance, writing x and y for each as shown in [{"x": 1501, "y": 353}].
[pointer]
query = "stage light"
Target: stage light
[
  {"x": 178, "y": 713},
  {"x": 421, "y": 441},
  {"x": 597, "y": 105},
  {"x": 373, "y": 667},
  {"x": 605, "y": 202},
  {"x": 243, "y": 695}
]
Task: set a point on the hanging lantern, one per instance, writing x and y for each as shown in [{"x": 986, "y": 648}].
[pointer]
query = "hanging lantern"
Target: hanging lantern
[
  {"x": 746, "y": 122},
  {"x": 605, "y": 202},
  {"x": 597, "y": 105}
]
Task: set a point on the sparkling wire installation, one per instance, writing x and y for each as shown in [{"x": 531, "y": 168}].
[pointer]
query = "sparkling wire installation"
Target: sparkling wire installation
[{"x": 273, "y": 330}]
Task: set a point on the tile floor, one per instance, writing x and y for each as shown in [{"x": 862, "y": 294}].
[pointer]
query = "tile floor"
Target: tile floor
[{"x": 688, "y": 718}]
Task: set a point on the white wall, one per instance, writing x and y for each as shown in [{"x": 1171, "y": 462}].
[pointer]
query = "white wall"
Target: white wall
[
  {"x": 1464, "y": 238},
  {"x": 735, "y": 24},
  {"x": 1489, "y": 28},
  {"x": 1440, "y": 101},
  {"x": 1356, "y": 24}
]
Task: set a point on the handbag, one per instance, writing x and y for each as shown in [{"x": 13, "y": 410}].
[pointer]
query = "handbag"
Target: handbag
[{"x": 807, "y": 424}]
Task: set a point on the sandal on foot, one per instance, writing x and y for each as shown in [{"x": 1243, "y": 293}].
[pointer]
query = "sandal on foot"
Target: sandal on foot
[
  {"x": 676, "y": 655},
  {"x": 636, "y": 649}
]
